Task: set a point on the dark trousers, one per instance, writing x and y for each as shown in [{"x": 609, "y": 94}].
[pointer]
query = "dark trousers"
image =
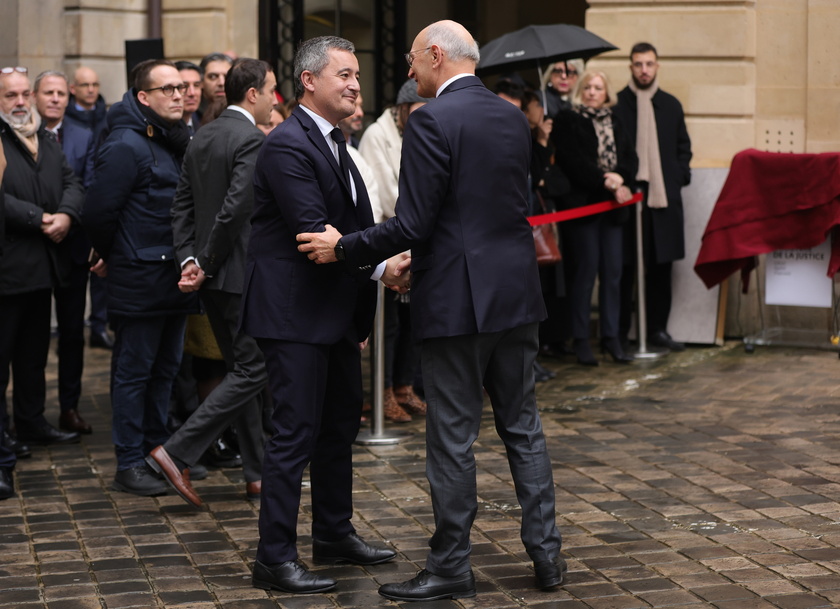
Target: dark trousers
[
  {"x": 317, "y": 393},
  {"x": 24, "y": 345},
  {"x": 454, "y": 371},
  {"x": 70, "y": 304},
  {"x": 596, "y": 245},
  {"x": 147, "y": 354},
  {"x": 98, "y": 317},
  {"x": 237, "y": 399},
  {"x": 402, "y": 354}
]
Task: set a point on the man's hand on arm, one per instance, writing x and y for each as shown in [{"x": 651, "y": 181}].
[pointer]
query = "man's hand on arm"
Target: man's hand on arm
[
  {"x": 397, "y": 276},
  {"x": 191, "y": 277},
  {"x": 319, "y": 247},
  {"x": 56, "y": 226}
]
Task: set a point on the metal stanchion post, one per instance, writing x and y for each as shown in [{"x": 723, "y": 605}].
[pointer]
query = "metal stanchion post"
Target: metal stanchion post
[
  {"x": 641, "y": 297},
  {"x": 376, "y": 434}
]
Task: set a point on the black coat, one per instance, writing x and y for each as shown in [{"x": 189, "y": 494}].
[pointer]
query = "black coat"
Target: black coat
[
  {"x": 31, "y": 261},
  {"x": 576, "y": 147},
  {"x": 127, "y": 216},
  {"x": 675, "y": 154}
]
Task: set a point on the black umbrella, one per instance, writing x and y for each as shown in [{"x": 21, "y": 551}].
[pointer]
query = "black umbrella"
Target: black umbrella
[{"x": 539, "y": 44}]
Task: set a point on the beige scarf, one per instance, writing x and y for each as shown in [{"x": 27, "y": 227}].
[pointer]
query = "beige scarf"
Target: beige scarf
[
  {"x": 27, "y": 132},
  {"x": 647, "y": 146}
]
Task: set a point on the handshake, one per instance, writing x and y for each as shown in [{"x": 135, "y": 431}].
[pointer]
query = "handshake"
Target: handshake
[{"x": 320, "y": 248}]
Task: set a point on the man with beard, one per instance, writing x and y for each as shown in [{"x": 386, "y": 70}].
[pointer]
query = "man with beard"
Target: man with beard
[
  {"x": 42, "y": 199},
  {"x": 654, "y": 119},
  {"x": 127, "y": 217}
]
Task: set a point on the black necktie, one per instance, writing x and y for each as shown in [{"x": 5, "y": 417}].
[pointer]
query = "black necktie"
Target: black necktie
[{"x": 343, "y": 156}]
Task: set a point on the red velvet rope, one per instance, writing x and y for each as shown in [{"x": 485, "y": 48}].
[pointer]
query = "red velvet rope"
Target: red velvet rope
[{"x": 580, "y": 212}]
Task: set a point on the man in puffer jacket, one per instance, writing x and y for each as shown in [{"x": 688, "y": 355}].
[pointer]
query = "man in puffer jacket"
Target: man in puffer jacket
[{"x": 127, "y": 216}]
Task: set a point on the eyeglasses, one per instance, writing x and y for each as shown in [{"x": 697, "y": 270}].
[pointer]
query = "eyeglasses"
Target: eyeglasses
[
  {"x": 169, "y": 90},
  {"x": 10, "y": 70},
  {"x": 409, "y": 57},
  {"x": 566, "y": 73}
]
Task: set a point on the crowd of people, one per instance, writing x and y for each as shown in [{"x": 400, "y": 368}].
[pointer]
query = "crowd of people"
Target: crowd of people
[{"x": 213, "y": 219}]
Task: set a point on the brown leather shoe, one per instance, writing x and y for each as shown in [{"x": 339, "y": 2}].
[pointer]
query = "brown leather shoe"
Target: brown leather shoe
[
  {"x": 392, "y": 410},
  {"x": 409, "y": 400},
  {"x": 69, "y": 420},
  {"x": 253, "y": 490},
  {"x": 160, "y": 461}
]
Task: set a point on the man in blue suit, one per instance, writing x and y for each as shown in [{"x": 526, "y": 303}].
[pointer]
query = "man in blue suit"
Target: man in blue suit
[
  {"x": 309, "y": 320},
  {"x": 51, "y": 92},
  {"x": 476, "y": 302}
]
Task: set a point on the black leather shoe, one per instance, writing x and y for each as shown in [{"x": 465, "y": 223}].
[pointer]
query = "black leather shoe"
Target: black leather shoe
[
  {"x": 352, "y": 549},
  {"x": 221, "y": 455},
  {"x": 70, "y": 420},
  {"x": 663, "y": 339},
  {"x": 101, "y": 340},
  {"x": 139, "y": 480},
  {"x": 46, "y": 434},
  {"x": 289, "y": 576},
  {"x": 7, "y": 483},
  {"x": 550, "y": 573},
  {"x": 612, "y": 346},
  {"x": 21, "y": 450},
  {"x": 427, "y": 586},
  {"x": 583, "y": 352}
]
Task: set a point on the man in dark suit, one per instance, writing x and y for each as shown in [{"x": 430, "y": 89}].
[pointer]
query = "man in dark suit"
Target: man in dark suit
[
  {"x": 475, "y": 304},
  {"x": 210, "y": 214},
  {"x": 51, "y": 92},
  {"x": 655, "y": 121},
  {"x": 309, "y": 320},
  {"x": 42, "y": 201}
]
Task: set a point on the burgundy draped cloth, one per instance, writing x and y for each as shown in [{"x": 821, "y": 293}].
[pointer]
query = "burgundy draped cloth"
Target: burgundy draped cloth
[{"x": 770, "y": 201}]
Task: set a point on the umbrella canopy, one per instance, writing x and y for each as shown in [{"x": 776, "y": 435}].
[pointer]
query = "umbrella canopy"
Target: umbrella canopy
[{"x": 539, "y": 44}]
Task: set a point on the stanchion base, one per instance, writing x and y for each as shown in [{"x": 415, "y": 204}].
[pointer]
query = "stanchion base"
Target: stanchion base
[
  {"x": 367, "y": 438},
  {"x": 649, "y": 354}
]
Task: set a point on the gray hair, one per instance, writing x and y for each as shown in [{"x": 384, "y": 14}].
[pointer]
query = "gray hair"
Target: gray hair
[
  {"x": 313, "y": 56},
  {"x": 456, "y": 48},
  {"x": 46, "y": 73}
]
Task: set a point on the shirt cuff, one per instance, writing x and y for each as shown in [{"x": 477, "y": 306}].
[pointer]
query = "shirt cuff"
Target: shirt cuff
[{"x": 378, "y": 271}]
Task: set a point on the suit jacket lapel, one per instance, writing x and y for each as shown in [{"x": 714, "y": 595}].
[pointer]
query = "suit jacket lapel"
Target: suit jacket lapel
[{"x": 320, "y": 142}]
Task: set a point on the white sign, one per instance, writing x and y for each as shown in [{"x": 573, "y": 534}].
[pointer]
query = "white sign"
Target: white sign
[{"x": 798, "y": 277}]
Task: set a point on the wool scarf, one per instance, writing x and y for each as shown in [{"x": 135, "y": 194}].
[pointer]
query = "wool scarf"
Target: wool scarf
[
  {"x": 602, "y": 121},
  {"x": 647, "y": 146},
  {"x": 26, "y": 132}
]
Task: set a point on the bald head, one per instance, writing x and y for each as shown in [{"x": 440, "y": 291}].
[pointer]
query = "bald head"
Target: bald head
[
  {"x": 440, "y": 51},
  {"x": 85, "y": 87}
]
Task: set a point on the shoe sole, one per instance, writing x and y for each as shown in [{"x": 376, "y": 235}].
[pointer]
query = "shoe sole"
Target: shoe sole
[
  {"x": 453, "y": 595},
  {"x": 263, "y": 585},
  {"x": 329, "y": 560},
  {"x": 157, "y": 469},
  {"x": 150, "y": 493}
]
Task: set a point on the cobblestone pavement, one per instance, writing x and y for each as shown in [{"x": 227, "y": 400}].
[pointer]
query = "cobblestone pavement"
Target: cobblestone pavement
[{"x": 708, "y": 478}]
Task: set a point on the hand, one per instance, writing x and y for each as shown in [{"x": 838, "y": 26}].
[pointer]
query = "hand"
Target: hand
[
  {"x": 544, "y": 131},
  {"x": 613, "y": 181},
  {"x": 191, "y": 277},
  {"x": 319, "y": 247},
  {"x": 396, "y": 276},
  {"x": 100, "y": 269},
  {"x": 56, "y": 226},
  {"x": 363, "y": 345},
  {"x": 623, "y": 194}
]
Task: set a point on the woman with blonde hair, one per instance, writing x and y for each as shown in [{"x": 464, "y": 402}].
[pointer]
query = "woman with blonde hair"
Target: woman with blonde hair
[{"x": 600, "y": 160}]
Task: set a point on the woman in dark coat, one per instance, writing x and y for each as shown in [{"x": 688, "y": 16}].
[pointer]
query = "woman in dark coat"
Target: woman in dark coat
[{"x": 600, "y": 161}]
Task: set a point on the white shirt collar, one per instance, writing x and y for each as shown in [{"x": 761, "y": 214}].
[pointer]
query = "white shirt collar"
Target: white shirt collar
[
  {"x": 450, "y": 81},
  {"x": 323, "y": 124},
  {"x": 243, "y": 111}
]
